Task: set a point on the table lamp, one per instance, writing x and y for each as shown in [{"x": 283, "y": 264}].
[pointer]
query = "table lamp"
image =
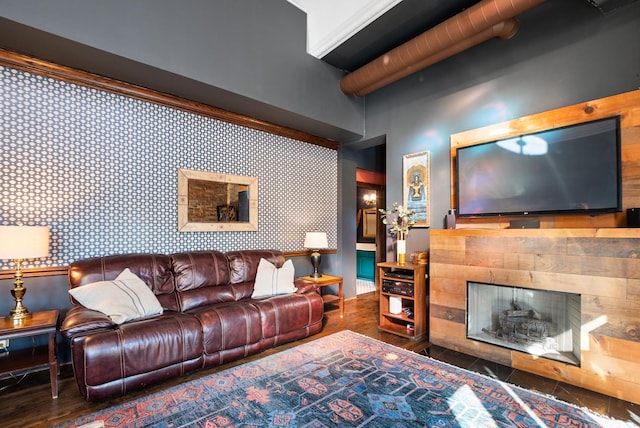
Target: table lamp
[
  {"x": 315, "y": 241},
  {"x": 18, "y": 243}
]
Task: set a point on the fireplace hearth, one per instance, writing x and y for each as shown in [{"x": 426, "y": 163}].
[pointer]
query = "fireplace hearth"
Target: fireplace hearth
[{"x": 537, "y": 322}]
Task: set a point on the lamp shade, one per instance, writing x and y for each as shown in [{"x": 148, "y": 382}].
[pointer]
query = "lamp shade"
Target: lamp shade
[
  {"x": 24, "y": 242},
  {"x": 315, "y": 240}
]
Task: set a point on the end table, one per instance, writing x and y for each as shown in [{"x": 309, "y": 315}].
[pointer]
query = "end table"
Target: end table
[
  {"x": 324, "y": 281},
  {"x": 40, "y": 323}
]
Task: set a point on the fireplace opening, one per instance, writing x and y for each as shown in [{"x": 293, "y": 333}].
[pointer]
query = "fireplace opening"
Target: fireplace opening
[{"x": 538, "y": 322}]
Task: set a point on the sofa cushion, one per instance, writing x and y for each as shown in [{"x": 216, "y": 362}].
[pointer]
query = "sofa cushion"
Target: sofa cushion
[
  {"x": 199, "y": 269},
  {"x": 124, "y": 299},
  {"x": 159, "y": 345},
  {"x": 202, "y": 278},
  {"x": 271, "y": 281},
  {"x": 153, "y": 269},
  {"x": 229, "y": 325},
  {"x": 287, "y": 314},
  {"x": 80, "y": 321},
  {"x": 243, "y": 265}
]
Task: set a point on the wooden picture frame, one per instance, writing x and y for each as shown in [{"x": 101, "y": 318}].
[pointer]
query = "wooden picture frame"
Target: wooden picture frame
[
  {"x": 415, "y": 186},
  {"x": 230, "y": 202}
]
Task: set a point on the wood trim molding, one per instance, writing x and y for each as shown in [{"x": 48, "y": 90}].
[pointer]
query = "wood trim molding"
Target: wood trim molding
[
  {"x": 94, "y": 81},
  {"x": 301, "y": 253},
  {"x": 62, "y": 270}
]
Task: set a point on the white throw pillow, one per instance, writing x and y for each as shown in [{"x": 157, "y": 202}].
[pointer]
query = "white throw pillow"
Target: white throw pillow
[
  {"x": 271, "y": 280},
  {"x": 124, "y": 299}
]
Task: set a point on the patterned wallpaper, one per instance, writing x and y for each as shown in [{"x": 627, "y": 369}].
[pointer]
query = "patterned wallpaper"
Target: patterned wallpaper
[{"x": 101, "y": 170}]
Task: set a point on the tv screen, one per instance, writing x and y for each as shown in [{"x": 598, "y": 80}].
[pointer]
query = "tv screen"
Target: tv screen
[{"x": 574, "y": 169}]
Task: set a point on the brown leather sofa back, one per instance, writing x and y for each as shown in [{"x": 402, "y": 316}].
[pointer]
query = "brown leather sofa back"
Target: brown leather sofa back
[
  {"x": 243, "y": 266},
  {"x": 202, "y": 278},
  {"x": 207, "y": 277},
  {"x": 153, "y": 269},
  {"x": 182, "y": 281}
]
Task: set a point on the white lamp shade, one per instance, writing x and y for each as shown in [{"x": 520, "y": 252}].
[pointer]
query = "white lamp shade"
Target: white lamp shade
[
  {"x": 315, "y": 240},
  {"x": 24, "y": 242}
]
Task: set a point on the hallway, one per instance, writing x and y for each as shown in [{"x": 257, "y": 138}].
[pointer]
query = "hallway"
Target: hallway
[{"x": 364, "y": 286}]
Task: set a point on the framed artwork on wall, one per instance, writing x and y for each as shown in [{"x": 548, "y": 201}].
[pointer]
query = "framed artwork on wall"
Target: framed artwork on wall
[
  {"x": 231, "y": 213},
  {"x": 415, "y": 186},
  {"x": 223, "y": 213}
]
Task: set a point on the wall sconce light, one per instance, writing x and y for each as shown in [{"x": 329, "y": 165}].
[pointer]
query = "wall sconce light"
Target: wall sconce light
[
  {"x": 315, "y": 241},
  {"x": 369, "y": 199},
  {"x": 18, "y": 243}
]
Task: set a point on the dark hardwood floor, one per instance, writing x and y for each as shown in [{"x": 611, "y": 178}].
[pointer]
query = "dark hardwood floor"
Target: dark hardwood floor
[{"x": 29, "y": 404}]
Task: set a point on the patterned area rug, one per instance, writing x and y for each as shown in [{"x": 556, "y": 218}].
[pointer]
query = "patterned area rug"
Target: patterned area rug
[{"x": 345, "y": 380}]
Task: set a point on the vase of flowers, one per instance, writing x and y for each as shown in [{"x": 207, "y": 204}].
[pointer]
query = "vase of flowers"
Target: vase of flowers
[{"x": 401, "y": 220}]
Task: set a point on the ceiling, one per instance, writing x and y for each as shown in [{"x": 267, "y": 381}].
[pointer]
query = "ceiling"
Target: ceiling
[
  {"x": 351, "y": 34},
  {"x": 380, "y": 27}
]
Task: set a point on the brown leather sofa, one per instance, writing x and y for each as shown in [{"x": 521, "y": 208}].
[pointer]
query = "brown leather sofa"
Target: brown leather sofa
[{"x": 208, "y": 318}]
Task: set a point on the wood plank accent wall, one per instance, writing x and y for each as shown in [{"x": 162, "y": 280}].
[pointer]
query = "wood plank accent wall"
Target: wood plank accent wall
[
  {"x": 592, "y": 255},
  {"x": 601, "y": 265},
  {"x": 626, "y": 105}
]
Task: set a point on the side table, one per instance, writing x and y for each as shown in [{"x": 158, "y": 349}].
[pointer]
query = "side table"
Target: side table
[
  {"x": 324, "y": 281},
  {"x": 40, "y": 323}
]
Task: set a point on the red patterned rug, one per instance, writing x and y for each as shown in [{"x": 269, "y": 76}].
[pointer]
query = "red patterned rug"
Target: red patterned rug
[{"x": 345, "y": 380}]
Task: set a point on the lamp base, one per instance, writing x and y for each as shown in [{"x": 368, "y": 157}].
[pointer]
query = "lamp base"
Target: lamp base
[
  {"x": 19, "y": 312},
  {"x": 315, "y": 262},
  {"x": 18, "y": 315}
]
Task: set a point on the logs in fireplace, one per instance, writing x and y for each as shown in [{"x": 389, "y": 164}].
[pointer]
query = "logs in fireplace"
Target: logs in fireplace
[
  {"x": 537, "y": 322},
  {"x": 525, "y": 327}
]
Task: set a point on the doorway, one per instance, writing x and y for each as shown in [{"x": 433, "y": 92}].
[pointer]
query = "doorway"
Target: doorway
[
  {"x": 370, "y": 160},
  {"x": 367, "y": 221}
]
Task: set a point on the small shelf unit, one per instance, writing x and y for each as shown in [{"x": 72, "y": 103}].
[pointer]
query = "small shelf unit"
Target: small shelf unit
[{"x": 407, "y": 282}]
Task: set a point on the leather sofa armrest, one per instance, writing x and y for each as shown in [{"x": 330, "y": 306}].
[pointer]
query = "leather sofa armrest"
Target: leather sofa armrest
[
  {"x": 303, "y": 286},
  {"x": 81, "y": 321}
]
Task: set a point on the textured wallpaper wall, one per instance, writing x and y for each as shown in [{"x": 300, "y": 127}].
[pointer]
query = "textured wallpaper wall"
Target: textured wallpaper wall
[{"x": 101, "y": 170}]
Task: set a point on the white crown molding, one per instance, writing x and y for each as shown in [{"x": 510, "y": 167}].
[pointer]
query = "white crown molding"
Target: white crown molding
[
  {"x": 331, "y": 22},
  {"x": 302, "y": 5}
]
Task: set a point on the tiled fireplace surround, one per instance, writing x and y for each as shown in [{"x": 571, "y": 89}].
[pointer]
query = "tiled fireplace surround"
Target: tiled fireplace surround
[{"x": 601, "y": 265}]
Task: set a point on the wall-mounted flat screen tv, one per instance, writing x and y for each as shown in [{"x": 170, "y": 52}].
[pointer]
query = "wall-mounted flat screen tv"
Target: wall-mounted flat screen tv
[{"x": 573, "y": 169}]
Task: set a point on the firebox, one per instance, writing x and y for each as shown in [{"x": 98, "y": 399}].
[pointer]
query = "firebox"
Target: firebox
[{"x": 538, "y": 322}]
